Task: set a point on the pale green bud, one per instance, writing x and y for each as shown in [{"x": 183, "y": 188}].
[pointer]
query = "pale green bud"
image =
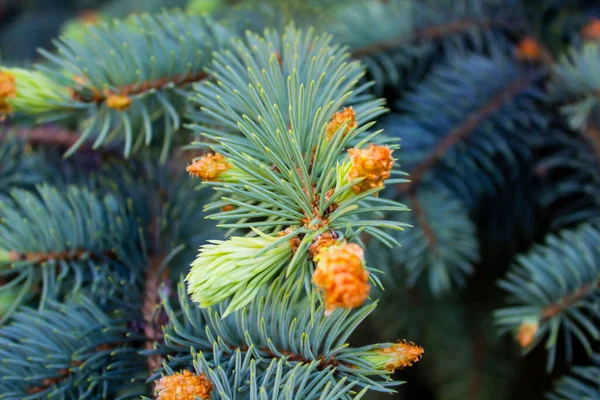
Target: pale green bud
[
  {"x": 34, "y": 93},
  {"x": 395, "y": 356},
  {"x": 238, "y": 267},
  {"x": 204, "y": 6}
]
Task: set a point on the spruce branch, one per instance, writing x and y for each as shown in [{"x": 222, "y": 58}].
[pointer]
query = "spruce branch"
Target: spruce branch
[
  {"x": 92, "y": 353},
  {"x": 574, "y": 198},
  {"x": 151, "y": 311},
  {"x": 469, "y": 126},
  {"x": 575, "y": 87},
  {"x": 55, "y": 136},
  {"x": 270, "y": 328},
  {"x": 124, "y": 79},
  {"x": 18, "y": 167},
  {"x": 278, "y": 382},
  {"x": 49, "y": 136},
  {"x": 421, "y": 218},
  {"x": 570, "y": 300},
  {"x": 293, "y": 156},
  {"x": 430, "y": 33},
  {"x": 442, "y": 248},
  {"x": 174, "y": 225},
  {"x": 134, "y": 89},
  {"x": 548, "y": 301},
  {"x": 76, "y": 231},
  {"x": 398, "y": 39},
  {"x": 581, "y": 383}
]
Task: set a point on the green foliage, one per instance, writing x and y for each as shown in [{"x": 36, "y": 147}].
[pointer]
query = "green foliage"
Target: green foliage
[
  {"x": 574, "y": 199},
  {"x": 204, "y": 6},
  {"x": 68, "y": 351},
  {"x": 576, "y": 85},
  {"x": 150, "y": 61},
  {"x": 19, "y": 169},
  {"x": 271, "y": 103},
  {"x": 563, "y": 299},
  {"x": 501, "y": 150},
  {"x": 80, "y": 239},
  {"x": 277, "y": 382},
  {"x": 445, "y": 249},
  {"x": 582, "y": 383},
  {"x": 474, "y": 166},
  {"x": 280, "y": 330},
  {"x": 398, "y": 39}
]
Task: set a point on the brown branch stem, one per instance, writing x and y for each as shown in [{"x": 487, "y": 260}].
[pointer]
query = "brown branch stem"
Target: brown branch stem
[
  {"x": 422, "y": 219},
  {"x": 152, "y": 330},
  {"x": 323, "y": 362},
  {"x": 553, "y": 310},
  {"x": 479, "y": 353},
  {"x": 592, "y": 136},
  {"x": 430, "y": 33},
  {"x": 139, "y": 88},
  {"x": 46, "y": 135},
  {"x": 70, "y": 255},
  {"x": 62, "y": 375},
  {"x": 465, "y": 130}
]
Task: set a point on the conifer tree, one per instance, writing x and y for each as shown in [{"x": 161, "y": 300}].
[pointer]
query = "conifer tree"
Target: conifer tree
[{"x": 260, "y": 199}]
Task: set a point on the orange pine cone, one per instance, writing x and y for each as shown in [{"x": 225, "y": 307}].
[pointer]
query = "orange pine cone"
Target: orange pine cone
[
  {"x": 529, "y": 50},
  {"x": 341, "y": 275},
  {"x": 374, "y": 164},
  {"x": 89, "y": 17},
  {"x": 183, "y": 386},
  {"x": 324, "y": 240},
  {"x": 526, "y": 334},
  {"x": 340, "y": 118},
  {"x": 592, "y": 30},
  {"x": 209, "y": 167},
  {"x": 401, "y": 355},
  {"x": 8, "y": 88}
]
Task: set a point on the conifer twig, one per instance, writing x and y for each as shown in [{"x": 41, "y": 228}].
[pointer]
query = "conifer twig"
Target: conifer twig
[
  {"x": 422, "y": 219},
  {"x": 71, "y": 255},
  {"x": 63, "y": 374},
  {"x": 479, "y": 353},
  {"x": 138, "y": 88},
  {"x": 323, "y": 362},
  {"x": 47, "y": 135},
  {"x": 592, "y": 136},
  {"x": 430, "y": 33},
  {"x": 465, "y": 130},
  {"x": 553, "y": 310},
  {"x": 152, "y": 332}
]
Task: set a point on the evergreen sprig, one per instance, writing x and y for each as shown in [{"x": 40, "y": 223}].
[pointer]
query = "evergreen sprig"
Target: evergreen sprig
[
  {"x": 275, "y": 329},
  {"x": 295, "y": 176},
  {"x": 563, "y": 300},
  {"x": 576, "y": 85},
  {"x": 68, "y": 351},
  {"x": 274, "y": 117},
  {"x": 80, "y": 238},
  {"x": 19, "y": 169},
  {"x": 582, "y": 383},
  {"x": 397, "y": 39},
  {"x": 479, "y": 136},
  {"x": 126, "y": 77},
  {"x": 442, "y": 245}
]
